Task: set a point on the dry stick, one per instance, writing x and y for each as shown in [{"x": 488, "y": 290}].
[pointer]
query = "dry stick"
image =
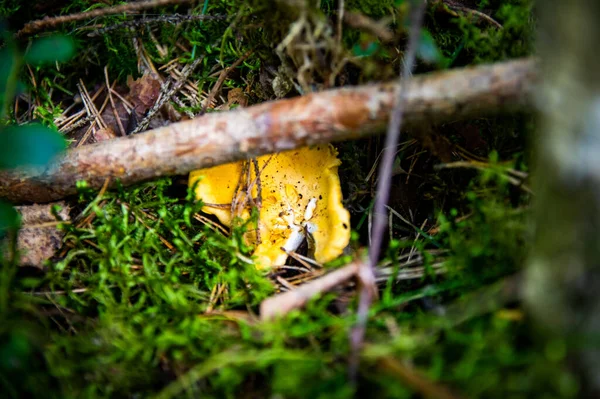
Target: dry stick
[
  {"x": 112, "y": 103},
  {"x": 68, "y": 128},
  {"x": 222, "y": 76},
  {"x": 367, "y": 271},
  {"x": 64, "y": 125},
  {"x": 51, "y": 22},
  {"x": 61, "y": 123},
  {"x": 218, "y": 138},
  {"x": 167, "y": 93},
  {"x": 96, "y": 119},
  {"x": 282, "y": 304},
  {"x": 143, "y": 22},
  {"x": 457, "y": 8}
]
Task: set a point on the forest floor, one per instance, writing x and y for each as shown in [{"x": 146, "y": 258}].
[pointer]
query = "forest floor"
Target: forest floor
[{"x": 144, "y": 295}]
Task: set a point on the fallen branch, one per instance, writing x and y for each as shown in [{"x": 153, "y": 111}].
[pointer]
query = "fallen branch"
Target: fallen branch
[{"x": 217, "y": 138}]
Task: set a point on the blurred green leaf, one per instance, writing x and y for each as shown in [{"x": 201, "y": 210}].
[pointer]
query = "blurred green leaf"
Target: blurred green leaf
[
  {"x": 428, "y": 51},
  {"x": 8, "y": 68},
  {"x": 9, "y": 218},
  {"x": 50, "y": 49},
  {"x": 31, "y": 144},
  {"x": 7, "y": 60}
]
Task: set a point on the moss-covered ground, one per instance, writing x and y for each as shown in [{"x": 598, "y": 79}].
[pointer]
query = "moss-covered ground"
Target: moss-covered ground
[{"x": 145, "y": 300}]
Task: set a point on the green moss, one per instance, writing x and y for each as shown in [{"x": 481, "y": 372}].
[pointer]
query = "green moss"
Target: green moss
[
  {"x": 120, "y": 56},
  {"x": 466, "y": 42},
  {"x": 372, "y": 8},
  {"x": 491, "y": 241}
]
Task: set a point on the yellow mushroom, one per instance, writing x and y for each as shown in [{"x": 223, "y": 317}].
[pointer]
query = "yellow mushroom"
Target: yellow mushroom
[{"x": 300, "y": 199}]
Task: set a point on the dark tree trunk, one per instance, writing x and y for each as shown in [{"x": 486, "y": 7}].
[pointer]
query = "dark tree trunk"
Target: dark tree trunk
[{"x": 563, "y": 279}]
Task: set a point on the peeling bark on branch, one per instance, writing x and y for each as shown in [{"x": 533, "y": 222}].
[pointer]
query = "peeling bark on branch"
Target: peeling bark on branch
[{"x": 335, "y": 115}]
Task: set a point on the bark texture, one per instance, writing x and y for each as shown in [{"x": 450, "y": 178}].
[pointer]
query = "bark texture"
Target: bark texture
[
  {"x": 564, "y": 268},
  {"x": 218, "y": 138}
]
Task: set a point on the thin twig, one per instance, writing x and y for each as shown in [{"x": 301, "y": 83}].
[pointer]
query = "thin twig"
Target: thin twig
[
  {"x": 51, "y": 22},
  {"x": 69, "y": 127},
  {"x": 299, "y": 258},
  {"x": 58, "y": 292},
  {"x": 318, "y": 282},
  {"x": 367, "y": 271},
  {"x": 69, "y": 123},
  {"x": 89, "y": 104},
  {"x": 222, "y": 76},
  {"x": 112, "y": 103},
  {"x": 213, "y": 225},
  {"x": 143, "y": 22},
  {"x": 282, "y": 304},
  {"x": 166, "y": 94},
  {"x": 458, "y": 8},
  {"x": 305, "y": 260}
]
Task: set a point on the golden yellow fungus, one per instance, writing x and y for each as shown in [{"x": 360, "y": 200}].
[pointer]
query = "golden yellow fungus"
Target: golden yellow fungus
[{"x": 300, "y": 198}]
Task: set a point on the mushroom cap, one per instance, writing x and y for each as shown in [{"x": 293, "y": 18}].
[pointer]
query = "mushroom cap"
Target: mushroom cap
[
  {"x": 300, "y": 193},
  {"x": 216, "y": 187}
]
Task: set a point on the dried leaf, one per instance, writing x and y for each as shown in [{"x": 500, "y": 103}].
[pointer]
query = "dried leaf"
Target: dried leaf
[{"x": 143, "y": 93}]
